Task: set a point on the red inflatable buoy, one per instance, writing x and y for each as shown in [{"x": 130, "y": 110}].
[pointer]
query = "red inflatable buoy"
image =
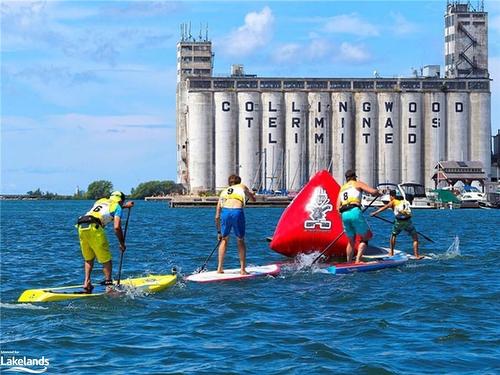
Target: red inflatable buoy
[{"x": 311, "y": 222}]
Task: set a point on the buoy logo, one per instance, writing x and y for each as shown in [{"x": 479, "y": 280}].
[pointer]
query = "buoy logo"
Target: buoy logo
[
  {"x": 318, "y": 206},
  {"x": 10, "y": 361}
]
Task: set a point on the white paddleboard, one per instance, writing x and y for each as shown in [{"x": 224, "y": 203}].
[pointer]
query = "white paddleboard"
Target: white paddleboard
[{"x": 234, "y": 274}]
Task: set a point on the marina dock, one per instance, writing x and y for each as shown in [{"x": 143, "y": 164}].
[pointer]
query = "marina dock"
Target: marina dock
[{"x": 197, "y": 201}]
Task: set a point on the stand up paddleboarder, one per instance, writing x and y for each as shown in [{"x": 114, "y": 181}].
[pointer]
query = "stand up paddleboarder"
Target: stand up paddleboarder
[
  {"x": 349, "y": 206},
  {"x": 229, "y": 215},
  {"x": 93, "y": 240}
]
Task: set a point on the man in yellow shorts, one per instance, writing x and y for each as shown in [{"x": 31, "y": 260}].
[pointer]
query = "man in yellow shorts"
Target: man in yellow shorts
[{"x": 93, "y": 240}]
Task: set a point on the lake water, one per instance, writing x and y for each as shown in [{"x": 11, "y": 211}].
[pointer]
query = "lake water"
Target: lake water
[{"x": 434, "y": 316}]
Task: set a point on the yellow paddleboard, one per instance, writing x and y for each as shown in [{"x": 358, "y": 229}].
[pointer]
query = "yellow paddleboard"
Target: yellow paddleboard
[{"x": 151, "y": 284}]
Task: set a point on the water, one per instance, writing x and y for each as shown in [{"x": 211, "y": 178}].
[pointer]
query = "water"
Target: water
[{"x": 434, "y": 316}]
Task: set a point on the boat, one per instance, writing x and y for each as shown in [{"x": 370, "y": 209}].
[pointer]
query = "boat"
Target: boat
[
  {"x": 446, "y": 199},
  {"x": 472, "y": 197},
  {"x": 416, "y": 195},
  {"x": 413, "y": 193}
]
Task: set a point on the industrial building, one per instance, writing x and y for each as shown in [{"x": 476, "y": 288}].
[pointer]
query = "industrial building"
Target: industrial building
[{"x": 276, "y": 132}]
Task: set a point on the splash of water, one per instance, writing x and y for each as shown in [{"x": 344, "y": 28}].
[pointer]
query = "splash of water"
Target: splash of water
[
  {"x": 25, "y": 306},
  {"x": 305, "y": 261},
  {"x": 453, "y": 251}
]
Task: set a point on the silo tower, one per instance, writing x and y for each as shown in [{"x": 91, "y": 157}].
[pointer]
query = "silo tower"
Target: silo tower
[
  {"x": 194, "y": 59},
  {"x": 466, "y": 40}
]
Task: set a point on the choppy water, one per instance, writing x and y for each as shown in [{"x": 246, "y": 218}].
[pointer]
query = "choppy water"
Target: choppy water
[{"x": 435, "y": 316}]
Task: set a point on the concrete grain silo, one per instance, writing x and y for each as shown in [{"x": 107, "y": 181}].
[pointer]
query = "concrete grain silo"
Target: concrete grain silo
[
  {"x": 273, "y": 139},
  {"x": 366, "y": 124},
  {"x": 389, "y": 137},
  {"x": 250, "y": 157},
  {"x": 434, "y": 130},
  {"x": 226, "y": 137},
  {"x": 296, "y": 110},
  {"x": 319, "y": 129},
  {"x": 342, "y": 134},
  {"x": 458, "y": 134},
  {"x": 480, "y": 129},
  {"x": 200, "y": 133},
  {"x": 411, "y": 137}
]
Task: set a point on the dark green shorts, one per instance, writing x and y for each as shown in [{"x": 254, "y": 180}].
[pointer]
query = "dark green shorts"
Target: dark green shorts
[{"x": 406, "y": 225}]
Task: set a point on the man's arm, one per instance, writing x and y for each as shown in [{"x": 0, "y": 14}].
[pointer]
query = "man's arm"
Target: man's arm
[
  {"x": 217, "y": 217},
  {"x": 249, "y": 194},
  {"x": 337, "y": 204},
  {"x": 368, "y": 189},
  {"x": 117, "y": 224},
  {"x": 383, "y": 208}
]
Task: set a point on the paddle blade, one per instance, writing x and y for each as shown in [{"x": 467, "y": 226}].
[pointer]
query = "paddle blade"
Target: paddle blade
[
  {"x": 311, "y": 222},
  {"x": 332, "y": 270}
]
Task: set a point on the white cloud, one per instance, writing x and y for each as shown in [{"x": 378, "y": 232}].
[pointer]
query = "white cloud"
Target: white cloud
[
  {"x": 351, "y": 24},
  {"x": 288, "y": 52},
  {"x": 353, "y": 53},
  {"x": 310, "y": 52},
  {"x": 402, "y": 26},
  {"x": 255, "y": 33}
]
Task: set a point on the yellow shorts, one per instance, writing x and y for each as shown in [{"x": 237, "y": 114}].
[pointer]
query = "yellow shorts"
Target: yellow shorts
[{"x": 94, "y": 243}]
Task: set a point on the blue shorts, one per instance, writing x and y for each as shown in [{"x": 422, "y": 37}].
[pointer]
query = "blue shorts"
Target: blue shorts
[
  {"x": 355, "y": 223},
  {"x": 232, "y": 218}
]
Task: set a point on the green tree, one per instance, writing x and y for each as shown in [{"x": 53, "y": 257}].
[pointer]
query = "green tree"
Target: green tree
[
  {"x": 155, "y": 188},
  {"x": 35, "y": 194},
  {"x": 99, "y": 189}
]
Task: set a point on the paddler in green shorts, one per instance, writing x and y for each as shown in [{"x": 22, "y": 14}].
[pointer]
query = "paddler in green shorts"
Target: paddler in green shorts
[{"x": 402, "y": 214}]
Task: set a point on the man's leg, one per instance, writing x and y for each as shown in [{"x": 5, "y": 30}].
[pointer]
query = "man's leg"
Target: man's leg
[
  {"x": 88, "y": 265},
  {"x": 415, "y": 245},
  {"x": 349, "y": 249},
  {"x": 361, "y": 249},
  {"x": 107, "y": 269},
  {"x": 222, "y": 254},
  {"x": 392, "y": 244},
  {"x": 242, "y": 250}
]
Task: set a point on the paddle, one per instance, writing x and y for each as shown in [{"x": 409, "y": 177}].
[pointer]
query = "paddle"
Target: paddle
[
  {"x": 392, "y": 222},
  {"x": 340, "y": 235},
  {"x": 202, "y": 268},
  {"x": 121, "y": 255}
]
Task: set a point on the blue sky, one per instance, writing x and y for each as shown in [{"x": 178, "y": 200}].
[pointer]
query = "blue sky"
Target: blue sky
[{"x": 88, "y": 88}]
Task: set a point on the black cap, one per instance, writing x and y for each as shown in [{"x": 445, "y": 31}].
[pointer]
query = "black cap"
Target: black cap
[
  {"x": 350, "y": 173},
  {"x": 392, "y": 193}
]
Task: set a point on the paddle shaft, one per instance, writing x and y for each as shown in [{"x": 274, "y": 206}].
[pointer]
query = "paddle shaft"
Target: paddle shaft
[
  {"x": 210, "y": 256},
  {"x": 121, "y": 255},
  {"x": 392, "y": 222},
  {"x": 340, "y": 235}
]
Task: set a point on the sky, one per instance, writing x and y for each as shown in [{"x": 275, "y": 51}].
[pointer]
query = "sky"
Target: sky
[{"x": 88, "y": 87}]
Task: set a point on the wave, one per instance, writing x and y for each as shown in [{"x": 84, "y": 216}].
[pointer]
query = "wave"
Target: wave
[{"x": 25, "y": 306}]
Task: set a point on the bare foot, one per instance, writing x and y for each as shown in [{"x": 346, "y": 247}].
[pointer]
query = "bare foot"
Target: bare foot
[
  {"x": 358, "y": 261},
  {"x": 418, "y": 257},
  {"x": 88, "y": 288},
  {"x": 220, "y": 271},
  {"x": 244, "y": 272}
]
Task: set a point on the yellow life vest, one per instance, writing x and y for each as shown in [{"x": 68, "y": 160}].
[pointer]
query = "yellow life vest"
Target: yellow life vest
[
  {"x": 349, "y": 194},
  {"x": 103, "y": 210},
  {"x": 234, "y": 192},
  {"x": 402, "y": 209}
]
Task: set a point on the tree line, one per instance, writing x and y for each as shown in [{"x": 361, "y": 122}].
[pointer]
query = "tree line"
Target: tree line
[{"x": 103, "y": 188}]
